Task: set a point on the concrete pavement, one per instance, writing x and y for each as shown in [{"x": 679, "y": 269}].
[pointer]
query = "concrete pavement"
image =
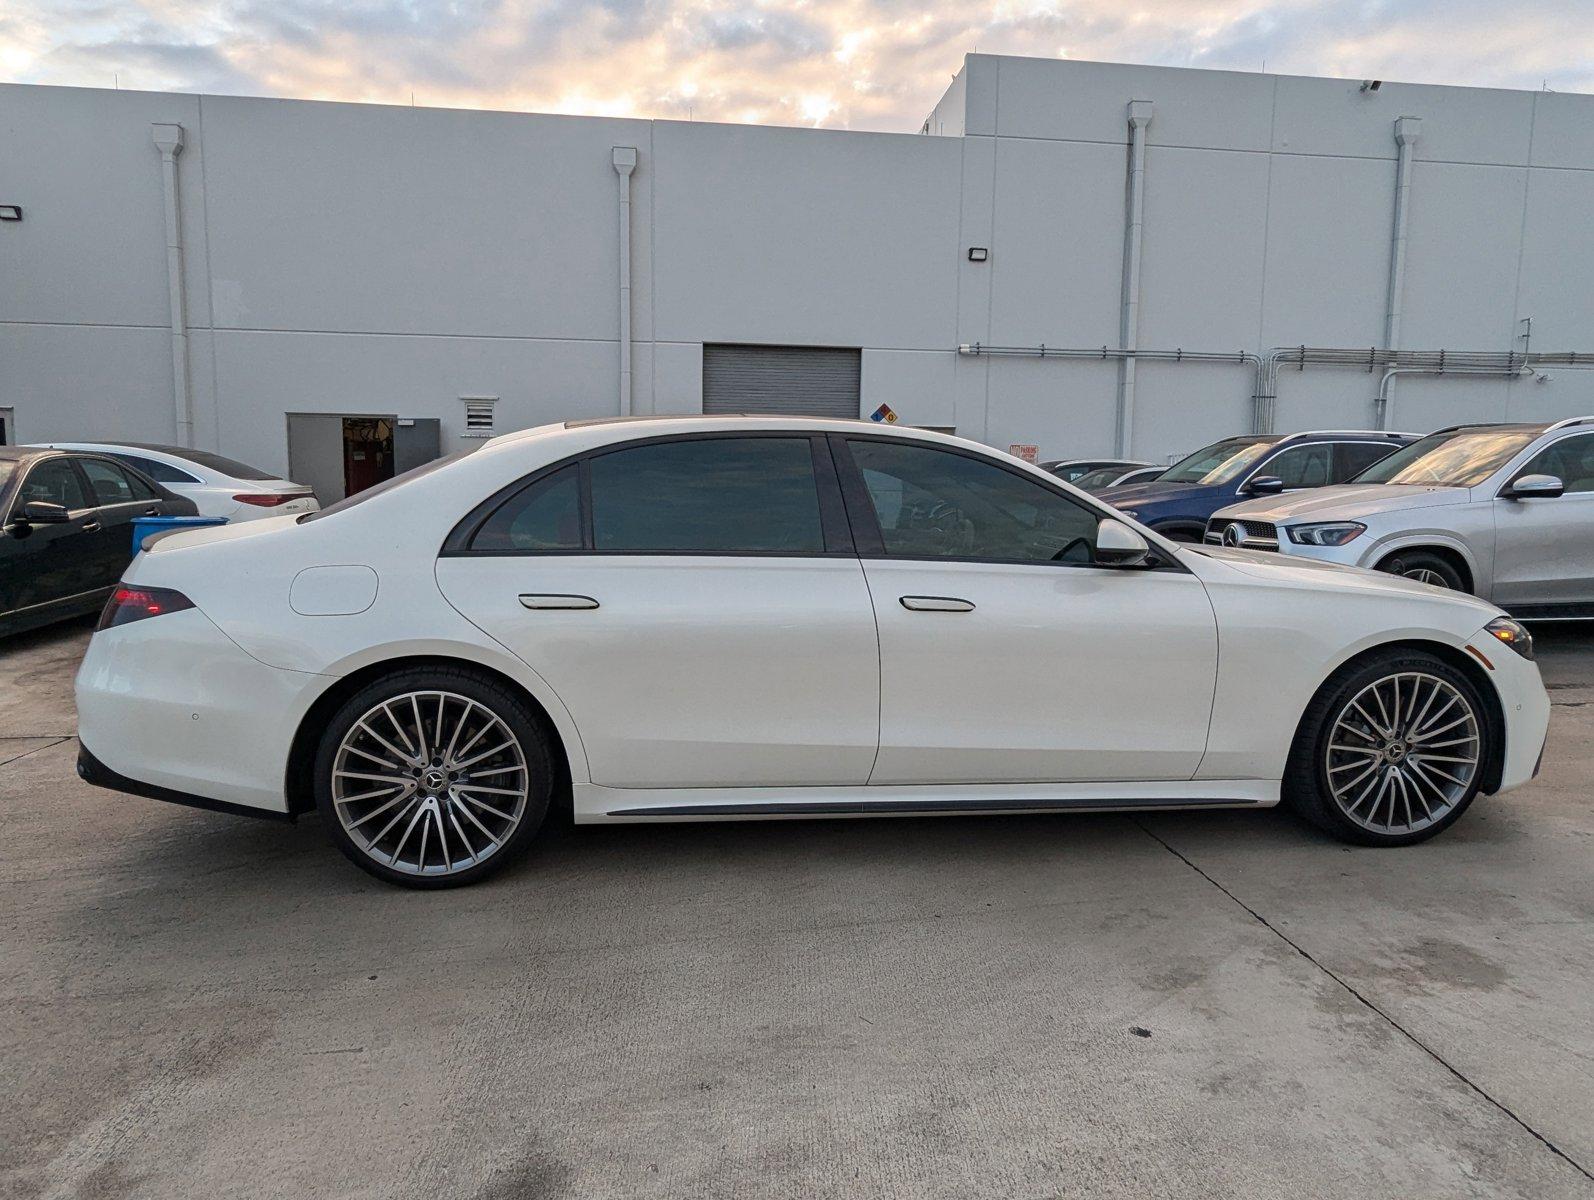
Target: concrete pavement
[{"x": 1179, "y": 1005}]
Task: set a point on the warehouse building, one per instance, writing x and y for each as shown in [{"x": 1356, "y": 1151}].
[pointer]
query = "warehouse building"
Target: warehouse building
[{"x": 1072, "y": 256}]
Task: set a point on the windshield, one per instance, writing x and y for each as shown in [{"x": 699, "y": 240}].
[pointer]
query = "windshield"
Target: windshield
[
  {"x": 1454, "y": 458},
  {"x": 1099, "y": 478},
  {"x": 387, "y": 485},
  {"x": 1219, "y": 462},
  {"x": 223, "y": 465}
]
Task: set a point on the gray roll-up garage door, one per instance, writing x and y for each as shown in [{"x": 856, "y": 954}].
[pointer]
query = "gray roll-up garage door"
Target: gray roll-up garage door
[{"x": 801, "y": 381}]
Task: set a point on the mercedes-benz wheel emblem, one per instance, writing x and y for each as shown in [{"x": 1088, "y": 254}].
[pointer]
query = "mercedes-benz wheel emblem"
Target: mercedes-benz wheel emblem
[{"x": 1234, "y": 534}]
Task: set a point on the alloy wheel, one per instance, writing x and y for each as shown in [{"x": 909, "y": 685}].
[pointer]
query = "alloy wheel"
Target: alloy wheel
[
  {"x": 429, "y": 783},
  {"x": 1427, "y": 575},
  {"x": 1404, "y": 751}
]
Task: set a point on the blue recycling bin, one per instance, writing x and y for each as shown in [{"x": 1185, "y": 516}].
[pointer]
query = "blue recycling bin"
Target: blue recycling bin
[{"x": 144, "y": 526}]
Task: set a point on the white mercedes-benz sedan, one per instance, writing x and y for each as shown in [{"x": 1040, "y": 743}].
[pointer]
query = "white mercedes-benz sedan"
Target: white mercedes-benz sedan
[{"x": 709, "y": 618}]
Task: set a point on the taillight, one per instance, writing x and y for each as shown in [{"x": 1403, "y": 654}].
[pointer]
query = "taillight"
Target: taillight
[
  {"x": 129, "y": 604},
  {"x": 269, "y": 499}
]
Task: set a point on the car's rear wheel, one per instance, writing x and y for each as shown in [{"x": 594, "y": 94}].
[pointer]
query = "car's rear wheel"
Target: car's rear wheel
[
  {"x": 1425, "y": 567},
  {"x": 1390, "y": 752},
  {"x": 433, "y": 777}
]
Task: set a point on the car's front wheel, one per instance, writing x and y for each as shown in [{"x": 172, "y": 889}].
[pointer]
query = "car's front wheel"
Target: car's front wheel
[
  {"x": 1425, "y": 567},
  {"x": 433, "y": 777},
  {"x": 1390, "y": 751}
]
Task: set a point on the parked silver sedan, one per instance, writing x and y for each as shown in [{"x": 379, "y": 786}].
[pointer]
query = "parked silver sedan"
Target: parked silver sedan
[{"x": 1504, "y": 511}]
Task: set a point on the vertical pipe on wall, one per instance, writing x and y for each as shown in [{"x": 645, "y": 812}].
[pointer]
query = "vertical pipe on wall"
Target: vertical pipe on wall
[
  {"x": 168, "y": 140},
  {"x": 624, "y": 164},
  {"x": 1407, "y": 131},
  {"x": 1129, "y": 316}
]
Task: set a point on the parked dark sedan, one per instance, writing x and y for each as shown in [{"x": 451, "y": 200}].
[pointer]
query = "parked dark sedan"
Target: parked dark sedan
[
  {"x": 67, "y": 531},
  {"x": 1179, "y": 501}
]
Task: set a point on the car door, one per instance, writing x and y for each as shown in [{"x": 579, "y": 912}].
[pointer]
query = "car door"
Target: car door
[
  {"x": 47, "y": 563},
  {"x": 1006, "y": 654},
  {"x": 1544, "y": 545},
  {"x": 695, "y": 603},
  {"x": 119, "y": 496}
]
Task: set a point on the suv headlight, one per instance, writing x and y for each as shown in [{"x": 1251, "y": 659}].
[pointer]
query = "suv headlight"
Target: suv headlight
[
  {"x": 1328, "y": 533},
  {"x": 1513, "y": 634}
]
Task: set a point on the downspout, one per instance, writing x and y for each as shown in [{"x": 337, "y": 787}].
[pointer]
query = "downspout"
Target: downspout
[
  {"x": 1407, "y": 131},
  {"x": 168, "y": 140},
  {"x": 1140, "y": 112},
  {"x": 624, "y": 164}
]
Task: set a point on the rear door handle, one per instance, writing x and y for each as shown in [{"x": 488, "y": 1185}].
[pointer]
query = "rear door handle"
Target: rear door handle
[
  {"x": 547, "y": 600},
  {"x": 91, "y": 526},
  {"x": 937, "y": 604}
]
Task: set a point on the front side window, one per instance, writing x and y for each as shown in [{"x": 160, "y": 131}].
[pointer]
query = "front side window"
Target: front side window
[
  {"x": 543, "y": 517},
  {"x": 933, "y": 503},
  {"x": 734, "y": 495},
  {"x": 1219, "y": 462},
  {"x": 1571, "y": 460},
  {"x": 55, "y": 482},
  {"x": 1454, "y": 458},
  {"x": 1300, "y": 466}
]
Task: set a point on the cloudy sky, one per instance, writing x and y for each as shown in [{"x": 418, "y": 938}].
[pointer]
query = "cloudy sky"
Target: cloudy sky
[{"x": 860, "y": 64}]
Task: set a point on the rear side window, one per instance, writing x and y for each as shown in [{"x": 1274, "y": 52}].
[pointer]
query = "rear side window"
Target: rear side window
[
  {"x": 112, "y": 484},
  {"x": 1352, "y": 458},
  {"x": 158, "y": 471},
  {"x": 541, "y": 517},
  {"x": 710, "y": 496}
]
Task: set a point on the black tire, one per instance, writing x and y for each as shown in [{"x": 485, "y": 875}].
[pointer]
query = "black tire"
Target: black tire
[
  {"x": 1307, "y": 787},
  {"x": 1188, "y": 534},
  {"x": 1426, "y": 567},
  {"x": 453, "y": 691}
]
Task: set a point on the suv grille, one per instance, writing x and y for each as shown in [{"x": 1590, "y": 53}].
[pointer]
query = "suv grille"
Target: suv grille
[{"x": 1258, "y": 535}]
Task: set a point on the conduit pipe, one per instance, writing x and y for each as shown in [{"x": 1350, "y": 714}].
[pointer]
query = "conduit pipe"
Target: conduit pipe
[
  {"x": 1140, "y": 113},
  {"x": 1407, "y": 131},
  {"x": 624, "y": 160},
  {"x": 168, "y": 140}
]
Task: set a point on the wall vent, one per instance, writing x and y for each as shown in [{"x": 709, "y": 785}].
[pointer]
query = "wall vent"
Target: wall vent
[{"x": 479, "y": 416}]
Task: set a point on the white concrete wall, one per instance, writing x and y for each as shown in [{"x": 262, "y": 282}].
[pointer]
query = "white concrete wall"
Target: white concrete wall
[{"x": 358, "y": 258}]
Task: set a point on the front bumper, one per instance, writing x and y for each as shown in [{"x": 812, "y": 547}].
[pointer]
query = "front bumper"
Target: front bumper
[{"x": 1524, "y": 706}]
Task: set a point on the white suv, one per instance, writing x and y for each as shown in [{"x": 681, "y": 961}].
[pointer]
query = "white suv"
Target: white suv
[{"x": 1504, "y": 511}]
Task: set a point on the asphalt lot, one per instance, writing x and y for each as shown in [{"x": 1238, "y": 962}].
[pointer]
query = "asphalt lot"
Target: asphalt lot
[{"x": 1211, "y": 1004}]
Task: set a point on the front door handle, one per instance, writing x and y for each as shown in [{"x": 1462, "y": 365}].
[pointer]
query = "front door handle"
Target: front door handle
[
  {"x": 541, "y": 600},
  {"x": 937, "y": 604},
  {"x": 91, "y": 526}
]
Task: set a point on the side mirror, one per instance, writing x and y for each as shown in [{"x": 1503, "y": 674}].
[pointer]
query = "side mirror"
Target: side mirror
[
  {"x": 1534, "y": 487},
  {"x": 1117, "y": 545},
  {"x": 1264, "y": 485},
  {"x": 42, "y": 512}
]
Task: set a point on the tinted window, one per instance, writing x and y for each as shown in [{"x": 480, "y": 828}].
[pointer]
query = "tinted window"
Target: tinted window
[
  {"x": 158, "y": 471},
  {"x": 1571, "y": 460},
  {"x": 1299, "y": 466},
  {"x": 1457, "y": 458},
  {"x": 1352, "y": 458},
  {"x": 226, "y": 466},
  {"x": 111, "y": 484},
  {"x": 56, "y": 482},
  {"x": 714, "y": 495},
  {"x": 543, "y": 516},
  {"x": 935, "y": 504}
]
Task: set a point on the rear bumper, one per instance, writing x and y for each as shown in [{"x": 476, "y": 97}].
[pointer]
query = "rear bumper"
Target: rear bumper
[
  {"x": 92, "y": 770},
  {"x": 172, "y": 708}
]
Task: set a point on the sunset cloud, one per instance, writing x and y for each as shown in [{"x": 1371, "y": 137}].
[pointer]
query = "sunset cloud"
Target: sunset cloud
[{"x": 859, "y": 64}]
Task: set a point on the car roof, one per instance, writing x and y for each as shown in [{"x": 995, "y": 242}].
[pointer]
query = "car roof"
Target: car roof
[{"x": 155, "y": 447}]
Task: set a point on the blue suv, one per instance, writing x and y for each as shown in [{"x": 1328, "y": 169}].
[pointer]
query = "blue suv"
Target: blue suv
[{"x": 1178, "y": 502}]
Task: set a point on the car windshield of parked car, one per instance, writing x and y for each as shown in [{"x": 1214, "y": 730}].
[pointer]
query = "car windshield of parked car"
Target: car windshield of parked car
[
  {"x": 226, "y": 466},
  {"x": 387, "y": 485},
  {"x": 1219, "y": 462},
  {"x": 1453, "y": 458},
  {"x": 1100, "y": 478}
]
